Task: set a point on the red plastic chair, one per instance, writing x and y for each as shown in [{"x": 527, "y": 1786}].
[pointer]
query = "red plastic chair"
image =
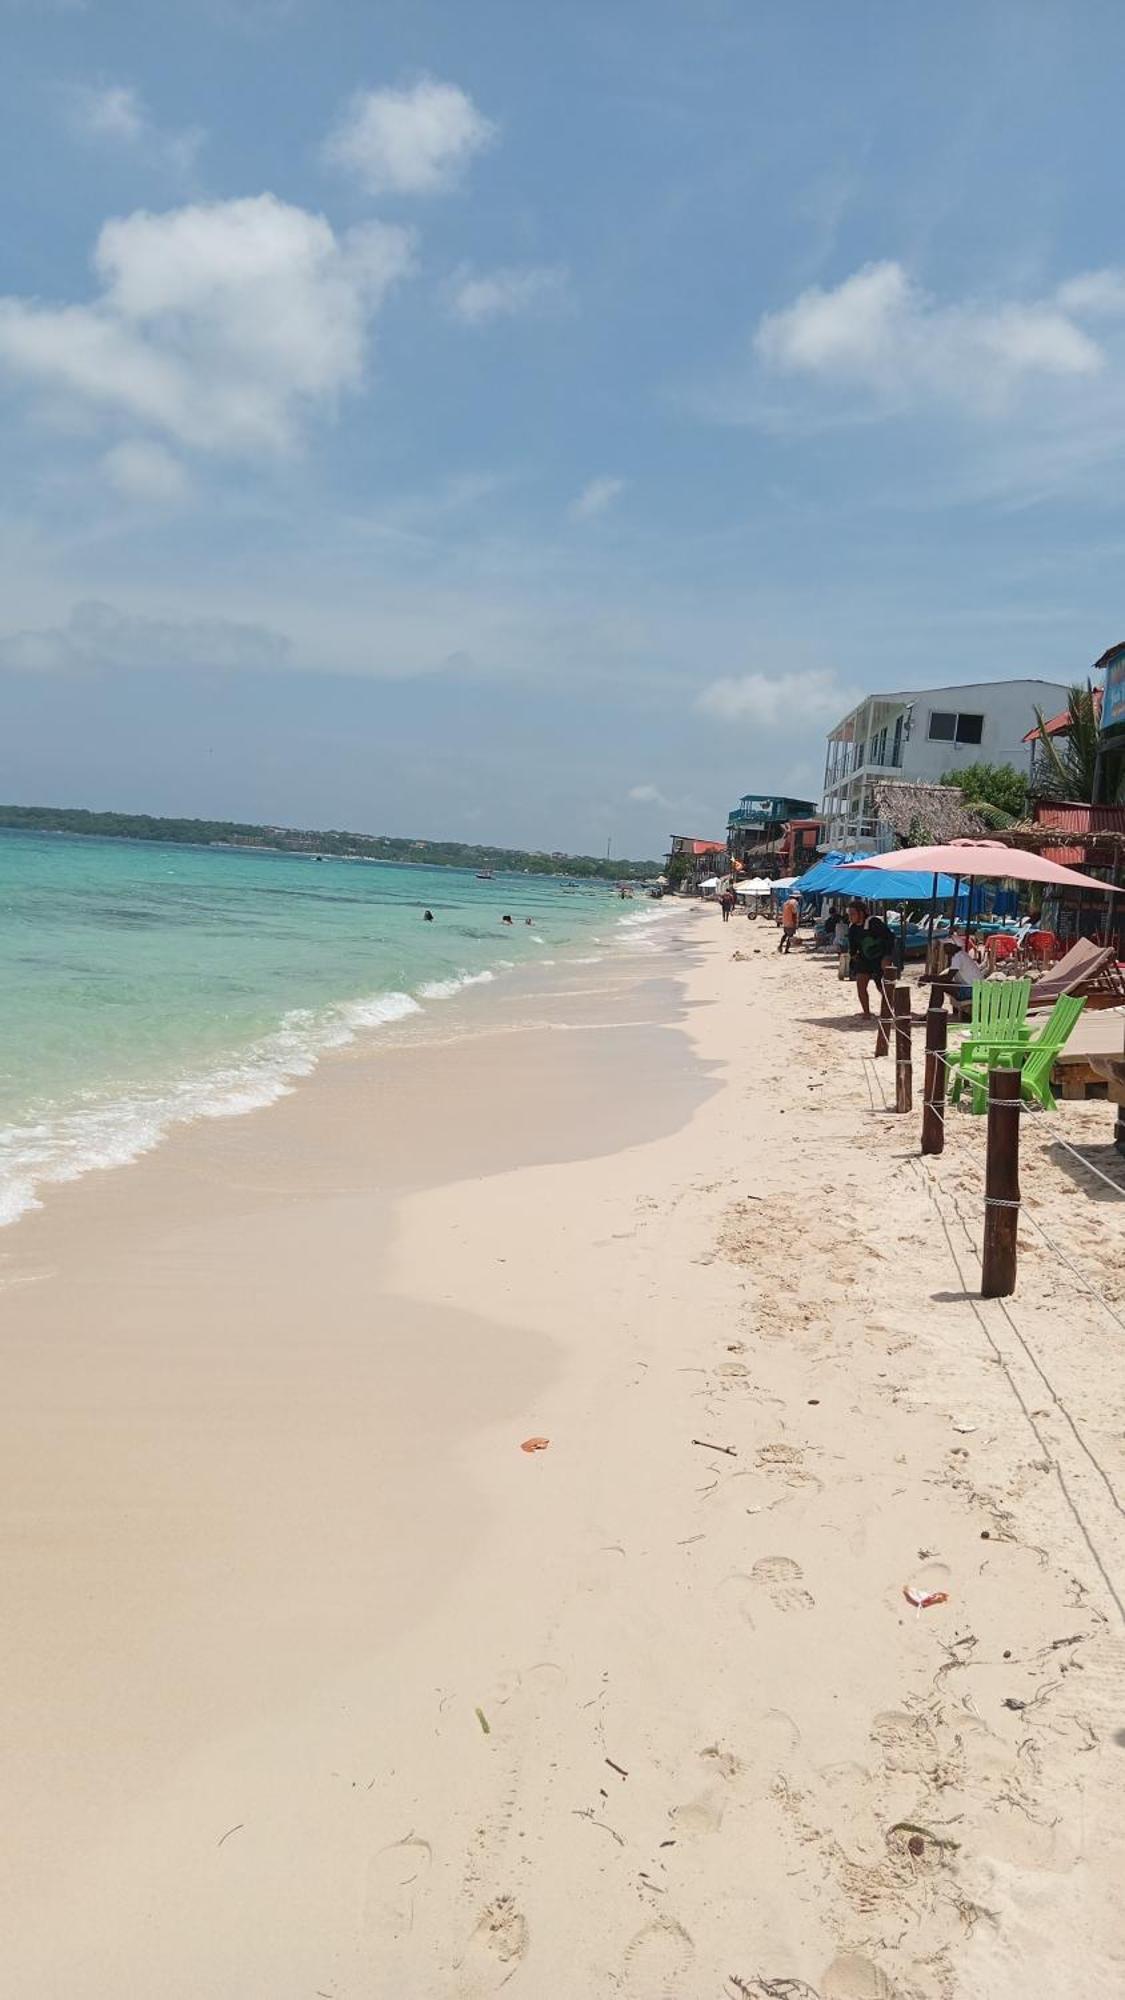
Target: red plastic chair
[
  {"x": 1042, "y": 947},
  {"x": 1002, "y": 946}
]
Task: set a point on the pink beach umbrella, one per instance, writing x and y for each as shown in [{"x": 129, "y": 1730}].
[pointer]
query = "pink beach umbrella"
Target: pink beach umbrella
[{"x": 984, "y": 860}]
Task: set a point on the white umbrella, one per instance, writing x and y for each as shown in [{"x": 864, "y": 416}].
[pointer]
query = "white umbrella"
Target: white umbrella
[{"x": 712, "y": 882}]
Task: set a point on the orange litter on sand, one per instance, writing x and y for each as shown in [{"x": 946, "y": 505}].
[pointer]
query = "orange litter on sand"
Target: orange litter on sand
[
  {"x": 535, "y": 1444},
  {"x": 922, "y": 1599}
]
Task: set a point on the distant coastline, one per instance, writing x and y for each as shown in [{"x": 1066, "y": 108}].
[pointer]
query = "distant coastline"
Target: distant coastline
[{"x": 333, "y": 844}]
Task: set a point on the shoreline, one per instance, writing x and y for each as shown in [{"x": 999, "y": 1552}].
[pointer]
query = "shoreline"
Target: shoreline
[
  {"x": 130, "y": 1123},
  {"x": 272, "y": 1550}
]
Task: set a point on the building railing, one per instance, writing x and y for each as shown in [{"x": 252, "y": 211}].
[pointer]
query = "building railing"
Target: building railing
[
  {"x": 844, "y": 835},
  {"x": 843, "y": 775}
]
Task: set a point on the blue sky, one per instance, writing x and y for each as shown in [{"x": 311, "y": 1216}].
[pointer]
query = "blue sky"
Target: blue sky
[{"x": 538, "y": 423}]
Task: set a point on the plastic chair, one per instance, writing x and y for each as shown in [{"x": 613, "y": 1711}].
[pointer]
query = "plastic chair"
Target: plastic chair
[
  {"x": 1042, "y": 946},
  {"x": 998, "y": 1020},
  {"x": 1035, "y": 1060}
]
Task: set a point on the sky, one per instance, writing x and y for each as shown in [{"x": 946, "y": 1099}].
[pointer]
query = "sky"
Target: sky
[{"x": 539, "y": 424}]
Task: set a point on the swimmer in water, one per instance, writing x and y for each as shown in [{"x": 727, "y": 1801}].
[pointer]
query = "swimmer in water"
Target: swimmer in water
[
  {"x": 505, "y": 920},
  {"x": 428, "y": 918}
]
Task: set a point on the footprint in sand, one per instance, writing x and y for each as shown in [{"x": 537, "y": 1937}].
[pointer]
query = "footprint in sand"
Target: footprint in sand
[
  {"x": 907, "y": 1741},
  {"x": 657, "y": 1962},
  {"x": 853, "y": 1977},
  {"x": 780, "y": 1578},
  {"x": 704, "y": 1814},
  {"x": 396, "y": 1878},
  {"x": 495, "y": 1951}
]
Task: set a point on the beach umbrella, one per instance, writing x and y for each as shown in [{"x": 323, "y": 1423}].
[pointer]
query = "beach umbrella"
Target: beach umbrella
[{"x": 983, "y": 861}]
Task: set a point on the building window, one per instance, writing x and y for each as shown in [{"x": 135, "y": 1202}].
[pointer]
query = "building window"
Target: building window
[
  {"x": 948, "y": 727},
  {"x": 896, "y": 753}
]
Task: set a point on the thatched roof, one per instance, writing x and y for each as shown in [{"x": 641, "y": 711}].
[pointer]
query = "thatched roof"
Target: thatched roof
[{"x": 922, "y": 814}]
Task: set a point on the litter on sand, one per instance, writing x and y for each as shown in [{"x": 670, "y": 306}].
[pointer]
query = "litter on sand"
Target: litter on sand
[
  {"x": 922, "y": 1599},
  {"x": 535, "y": 1444}
]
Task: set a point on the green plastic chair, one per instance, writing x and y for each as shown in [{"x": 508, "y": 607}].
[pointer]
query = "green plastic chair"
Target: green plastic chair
[
  {"x": 1035, "y": 1060},
  {"x": 998, "y": 1019}
]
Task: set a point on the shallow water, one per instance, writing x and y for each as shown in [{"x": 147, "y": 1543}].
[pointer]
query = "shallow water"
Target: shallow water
[{"x": 143, "y": 984}]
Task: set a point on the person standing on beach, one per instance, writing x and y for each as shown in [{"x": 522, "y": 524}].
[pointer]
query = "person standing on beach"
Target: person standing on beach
[
  {"x": 790, "y": 918},
  {"x": 875, "y": 948},
  {"x": 727, "y": 904}
]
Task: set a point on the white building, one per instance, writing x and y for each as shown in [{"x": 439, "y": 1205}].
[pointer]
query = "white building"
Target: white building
[{"x": 917, "y": 738}]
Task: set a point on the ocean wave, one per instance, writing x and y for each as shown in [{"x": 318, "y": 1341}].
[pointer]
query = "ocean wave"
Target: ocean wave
[
  {"x": 444, "y": 989},
  {"x": 636, "y": 917},
  {"x": 115, "y": 1131}
]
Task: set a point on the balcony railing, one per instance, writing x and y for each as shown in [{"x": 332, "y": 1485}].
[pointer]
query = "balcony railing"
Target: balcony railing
[
  {"x": 843, "y": 777},
  {"x": 872, "y": 835}
]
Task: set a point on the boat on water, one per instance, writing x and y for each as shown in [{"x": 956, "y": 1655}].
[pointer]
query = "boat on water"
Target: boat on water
[{"x": 484, "y": 874}]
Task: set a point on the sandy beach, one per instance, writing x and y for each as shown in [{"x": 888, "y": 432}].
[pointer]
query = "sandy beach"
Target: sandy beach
[{"x": 318, "y": 1685}]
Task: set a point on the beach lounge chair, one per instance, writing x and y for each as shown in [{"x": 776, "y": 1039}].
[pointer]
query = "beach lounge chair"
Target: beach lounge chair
[
  {"x": 1035, "y": 1060},
  {"x": 998, "y": 1019},
  {"x": 1086, "y": 969}
]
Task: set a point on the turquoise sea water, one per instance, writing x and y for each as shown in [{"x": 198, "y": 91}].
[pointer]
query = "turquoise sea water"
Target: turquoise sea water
[{"x": 141, "y": 985}]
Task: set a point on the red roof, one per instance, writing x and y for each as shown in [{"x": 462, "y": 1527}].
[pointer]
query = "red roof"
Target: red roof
[
  {"x": 1059, "y": 725},
  {"x": 708, "y": 847},
  {"x": 1075, "y": 817}
]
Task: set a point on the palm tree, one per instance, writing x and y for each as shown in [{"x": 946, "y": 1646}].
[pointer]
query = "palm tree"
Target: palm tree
[{"x": 1067, "y": 764}]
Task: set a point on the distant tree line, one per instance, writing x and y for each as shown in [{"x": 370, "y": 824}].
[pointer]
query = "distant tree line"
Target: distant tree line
[{"x": 332, "y": 844}]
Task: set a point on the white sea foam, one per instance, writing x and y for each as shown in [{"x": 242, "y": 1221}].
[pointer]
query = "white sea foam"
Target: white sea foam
[
  {"x": 444, "y": 989},
  {"x": 116, "y": 1130}
]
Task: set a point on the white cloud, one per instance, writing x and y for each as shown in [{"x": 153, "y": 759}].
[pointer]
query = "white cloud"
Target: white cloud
[
  {"x": 771, "y": 700},
  {"x": 222, "y": 325},
  {"x": 648, "y": 795},
  {"x": 99, "y": 635},
  {"x": 144, "y": 470},
  {"x": 416, "y": 141},
  {"x": 114, "y": 114},
  {"x": 879, "y": 332},
  {"x": 1098, "y": 294},
  {"x": 111, "y": 111},
  {"x": 596, "y": 497},
  {"x": 478, "y": 296}
]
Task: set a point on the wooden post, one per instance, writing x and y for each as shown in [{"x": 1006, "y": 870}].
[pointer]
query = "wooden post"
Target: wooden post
[
  {"x": 883, "y": 1036},
  {"x": 1001, "y": 1185},
  {"x": 904, "y": 1064},
  {"x": 933, "y": 1086}
]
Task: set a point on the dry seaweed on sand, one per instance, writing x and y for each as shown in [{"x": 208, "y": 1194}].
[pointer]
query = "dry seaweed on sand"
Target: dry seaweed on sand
[{"x": 761, "y": 1988}]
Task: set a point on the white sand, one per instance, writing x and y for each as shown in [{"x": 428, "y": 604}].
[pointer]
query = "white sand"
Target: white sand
[{"x": 271, "y": 1549}]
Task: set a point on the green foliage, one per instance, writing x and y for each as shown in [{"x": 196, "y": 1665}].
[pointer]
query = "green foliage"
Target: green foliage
[
  {"x": 333, "y": 845},
  {"x": 1064, "y": 765},
  {"x": 992, "y": 789}
]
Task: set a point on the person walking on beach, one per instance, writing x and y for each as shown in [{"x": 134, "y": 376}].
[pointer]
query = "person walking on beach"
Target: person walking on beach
[
  {"x": 727, "y": 903},
  {"x": 790, "y": 918},
  {"x": 876, "y": 946}
]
